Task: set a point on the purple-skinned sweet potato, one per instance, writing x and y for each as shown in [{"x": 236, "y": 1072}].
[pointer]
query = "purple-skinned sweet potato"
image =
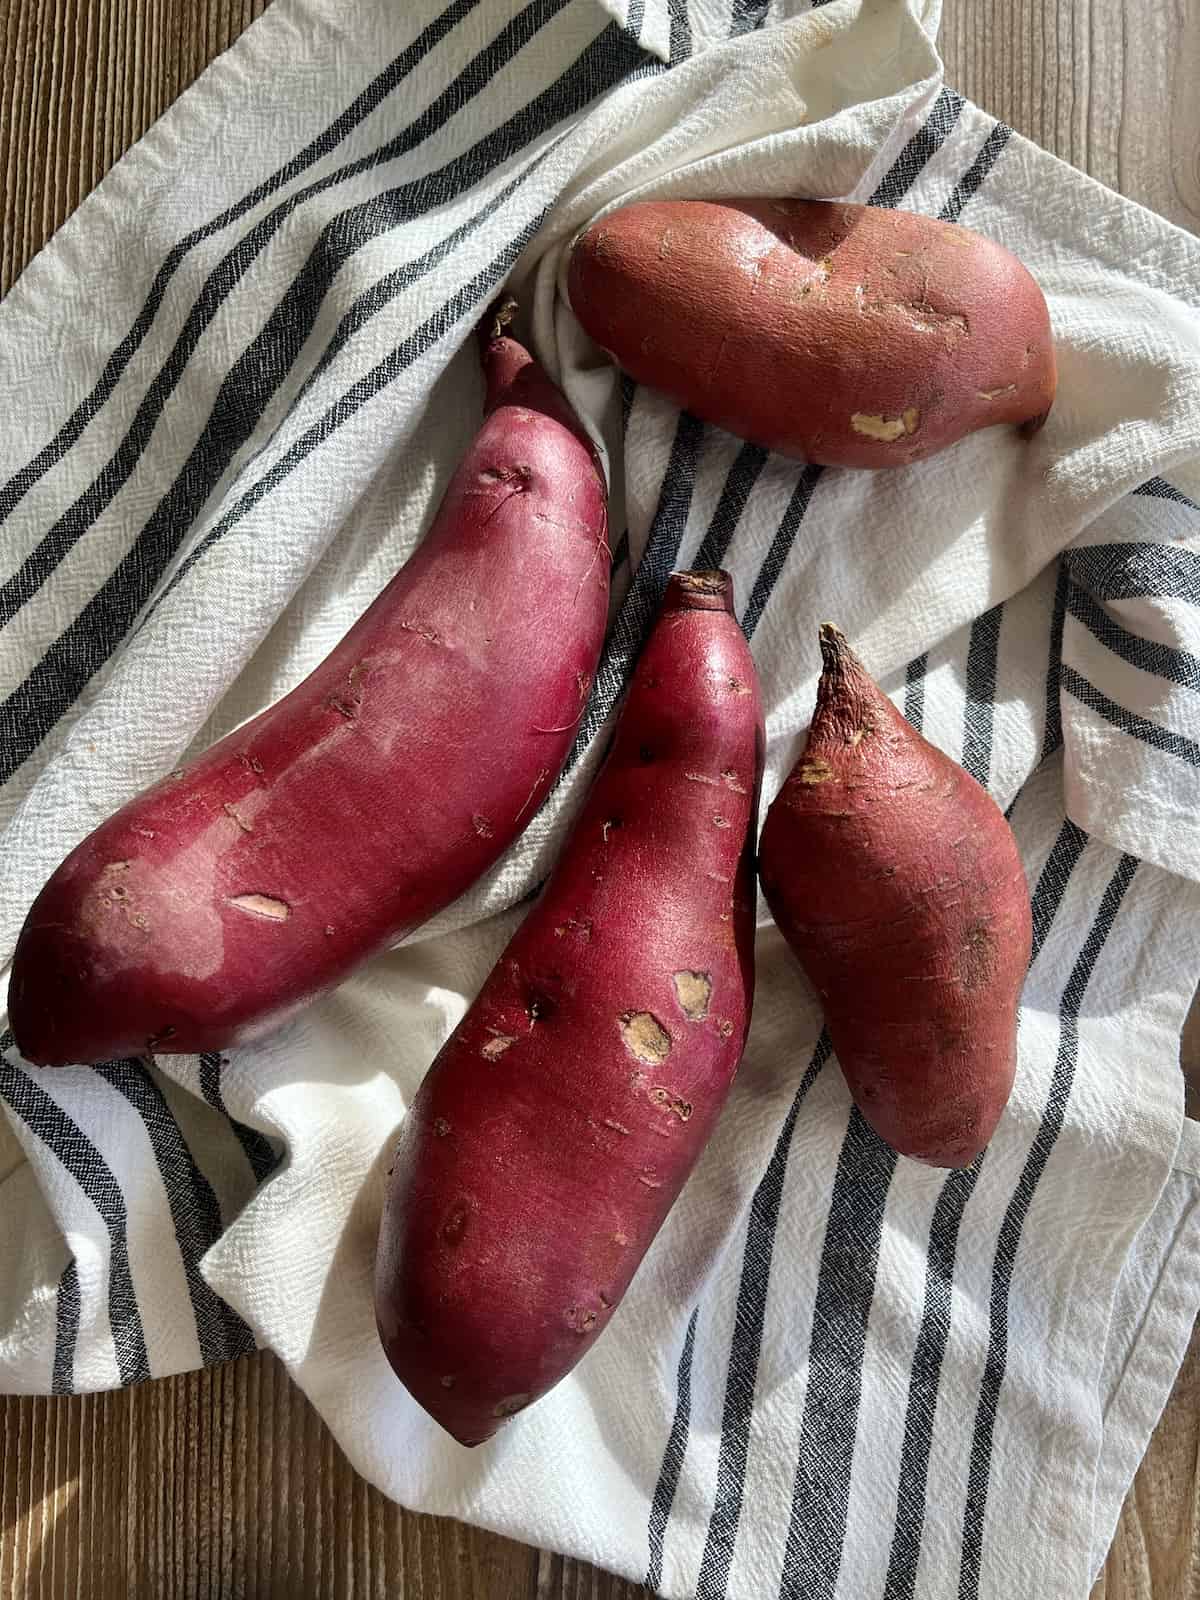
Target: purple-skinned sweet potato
[
  {"x": 368, "y": 798},
  {"x": 896, "y": 880},
  {"x": 562, "y": 1117}
]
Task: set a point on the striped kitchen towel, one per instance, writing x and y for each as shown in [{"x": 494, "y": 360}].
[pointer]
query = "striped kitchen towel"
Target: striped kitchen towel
[{"x": 234, "y": 386}]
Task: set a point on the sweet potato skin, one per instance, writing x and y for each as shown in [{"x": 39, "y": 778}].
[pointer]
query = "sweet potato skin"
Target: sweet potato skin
[
  {"x": 368, "y": 798},
  {"x": 849, "y": 335},
  {"x": 896, "y": 880},
  {"x": 559, "y": 1122}
]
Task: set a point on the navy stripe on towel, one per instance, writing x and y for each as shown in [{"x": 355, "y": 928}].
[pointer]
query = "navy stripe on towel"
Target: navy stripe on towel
[
  {"x": 68, "y": 1143},
  {"x": 1008, "y": 1244},
  {"x": 259, "y": 1151},
  {"x": 1159, "y": 738},
  {"x": 746, "y": 1346},
  {"x": 672, "y": 1461},
  {"x": 195, "y": 1214}
]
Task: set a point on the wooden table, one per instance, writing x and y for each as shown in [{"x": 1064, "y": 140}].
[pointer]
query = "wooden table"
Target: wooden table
[{"x": 116, "y": 1495}]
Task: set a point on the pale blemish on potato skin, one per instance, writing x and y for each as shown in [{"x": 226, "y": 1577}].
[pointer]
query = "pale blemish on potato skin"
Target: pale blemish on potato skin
[
  {"x": 813, "y": 771},
  {"x": 645, "y": 1037},
  {"x": 693, "y": 990},
  {"x": 264, "y": 906},
  {"x": 886, "y": 429}
]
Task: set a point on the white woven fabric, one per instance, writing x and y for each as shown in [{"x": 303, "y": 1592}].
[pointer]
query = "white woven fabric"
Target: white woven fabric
[{"x": 234, "y": 386}]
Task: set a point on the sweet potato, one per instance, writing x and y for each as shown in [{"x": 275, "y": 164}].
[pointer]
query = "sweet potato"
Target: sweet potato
[
  {"x": 843, "y": 334},
  {"x": 560, "y": 1120},
  {"x": 369, "y": 797},
  {"x": 896, "y": 880}
]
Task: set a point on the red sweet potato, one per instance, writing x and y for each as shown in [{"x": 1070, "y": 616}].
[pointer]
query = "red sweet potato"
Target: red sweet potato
[
  {"x": 369, "y": 797},
  {"x": 896, "y": 880},
  {"x": 560, "y": 1120},
  {"x": 850, "y": 335}
]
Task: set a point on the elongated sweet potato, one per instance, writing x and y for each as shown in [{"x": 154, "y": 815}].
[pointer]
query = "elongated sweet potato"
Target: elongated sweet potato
[
  {"x": 896, "y": 880},
  {"x": 369, "y": 797},
  {"x": 562, "y": 1117},
  {"x": 844, "y": 334}
]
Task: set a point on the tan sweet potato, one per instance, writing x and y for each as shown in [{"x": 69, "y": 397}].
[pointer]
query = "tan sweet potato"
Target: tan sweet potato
[
  {"x": 896, "y": 880},
  {"x": 849, "y": 335}
]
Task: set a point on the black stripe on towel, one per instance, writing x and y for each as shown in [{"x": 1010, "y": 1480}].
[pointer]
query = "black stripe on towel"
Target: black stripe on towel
[
  {"x": 1053, "y": 734},
  {"x": 968, "y": 185},
  {"x": 739, "y": 481},
  {"x": 914, "y": 691},
  {"x": 68, "y": 1143},
  {"x": 1160, "y": 489},
  {"x": 261, "y": 1155},
  {"x": 919, "y": 150},
  {"x": 1151, "y": 733},
  {"x": 747, "y": 15},
  {"x": 66, "y": 1330},
  {"x": 1137, "y": 571},
  {"x": 845, "y": 1289},
  {"x": 1149, "y": 655},
  {"x": 975, "y": 1511},
  {"x": 681, "y": 31},
  {"x": 746, "y": 1346},
  {"x": 649, "y": 582},
  {"x": 979, "y": 710},
  {"x": 781, "y": 546},
  {"x": 195, "y": 1214},
  {"x": 672, "y": 1461}
]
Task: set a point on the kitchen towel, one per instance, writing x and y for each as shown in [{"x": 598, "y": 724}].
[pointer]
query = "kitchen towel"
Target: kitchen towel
[{"x": 234, "y": 387}]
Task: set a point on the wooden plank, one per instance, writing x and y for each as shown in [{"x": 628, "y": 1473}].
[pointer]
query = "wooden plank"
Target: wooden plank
[
  {"x": 1108, "y": 85},
  {"x": 226, "y": 1483}
]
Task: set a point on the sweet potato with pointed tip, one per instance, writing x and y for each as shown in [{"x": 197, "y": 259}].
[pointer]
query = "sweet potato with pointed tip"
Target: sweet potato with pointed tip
[
  {"x": 368, "y": 798},
  {"x": 560, "y": 1120},
  {"x": 850, "y": 335},
  {"x": 896, "y": 880}
]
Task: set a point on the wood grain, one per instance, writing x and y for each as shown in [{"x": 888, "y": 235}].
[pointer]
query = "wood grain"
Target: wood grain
[
  {"x": 1108, "y": 85},
  {"x": 226, "y": 1483}
]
